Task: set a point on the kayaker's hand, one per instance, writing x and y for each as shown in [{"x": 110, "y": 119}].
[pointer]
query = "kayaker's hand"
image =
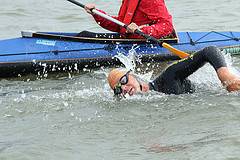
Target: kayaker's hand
[
  {"x": 142, "y": 26},
  {"x": 89, "y": 7},
  {"x": 132, "y": 28}
]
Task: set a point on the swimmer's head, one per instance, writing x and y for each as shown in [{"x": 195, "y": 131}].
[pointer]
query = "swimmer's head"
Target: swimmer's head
[{"x": 123, "y": 82}]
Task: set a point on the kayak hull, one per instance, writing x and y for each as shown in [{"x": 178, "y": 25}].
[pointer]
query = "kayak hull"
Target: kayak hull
[{"x": 63, "y": 52}]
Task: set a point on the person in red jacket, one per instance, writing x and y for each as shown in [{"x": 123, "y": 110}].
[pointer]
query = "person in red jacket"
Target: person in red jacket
[{"x": 150, "y": 16}]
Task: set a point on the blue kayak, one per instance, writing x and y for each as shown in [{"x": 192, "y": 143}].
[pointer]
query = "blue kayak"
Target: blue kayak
[{"x": 49, "y": 51}]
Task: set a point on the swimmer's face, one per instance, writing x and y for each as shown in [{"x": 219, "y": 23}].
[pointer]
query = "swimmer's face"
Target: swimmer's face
[
  {"x": 127, "y": 85},
  {"x": 131, "y": 87}
]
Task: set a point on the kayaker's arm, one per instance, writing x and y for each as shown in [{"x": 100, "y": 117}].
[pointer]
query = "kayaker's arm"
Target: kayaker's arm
[
  {"x": 156, "y": 30},
  {"x": 106, "y": 23},
  {"x": 161, "y": 24},
  {"x": 103, "y": 22}
]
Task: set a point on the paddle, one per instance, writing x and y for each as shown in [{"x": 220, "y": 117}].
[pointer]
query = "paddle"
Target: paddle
[{"x": 179, "y": 53}]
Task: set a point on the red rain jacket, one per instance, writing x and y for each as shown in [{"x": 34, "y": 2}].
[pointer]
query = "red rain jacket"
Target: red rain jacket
[{"x": 152, "y": 13}]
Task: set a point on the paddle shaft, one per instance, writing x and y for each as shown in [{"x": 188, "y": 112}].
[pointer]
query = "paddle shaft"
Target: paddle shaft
[
  {"x": 181, "y": 54},
  {"x": 100, "y": 14}
]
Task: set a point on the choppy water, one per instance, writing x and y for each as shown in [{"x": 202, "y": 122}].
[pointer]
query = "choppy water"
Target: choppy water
[{"x": 76, "y": 117}]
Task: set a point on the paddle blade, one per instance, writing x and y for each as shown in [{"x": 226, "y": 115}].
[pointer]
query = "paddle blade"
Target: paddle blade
[{"x": 177, "y": 52}]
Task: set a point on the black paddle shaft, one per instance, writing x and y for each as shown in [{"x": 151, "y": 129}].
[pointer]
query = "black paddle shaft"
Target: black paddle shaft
[
  {"x": 147, "y": 37},
  {"x": 77, "y": 3}
]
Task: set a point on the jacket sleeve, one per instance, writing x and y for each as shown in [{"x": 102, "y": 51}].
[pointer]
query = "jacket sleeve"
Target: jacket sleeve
[
  {"x": 106, "y": 23},
  {"x": 161, "y": 25}
]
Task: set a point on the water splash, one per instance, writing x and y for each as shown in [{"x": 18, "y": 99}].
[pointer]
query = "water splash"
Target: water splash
[
  {"x": 230, "y": 61},
  {"x": 130, "y": 62}
]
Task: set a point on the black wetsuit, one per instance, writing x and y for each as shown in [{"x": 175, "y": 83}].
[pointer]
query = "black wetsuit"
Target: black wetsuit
[{"x": 174, "y": 79}]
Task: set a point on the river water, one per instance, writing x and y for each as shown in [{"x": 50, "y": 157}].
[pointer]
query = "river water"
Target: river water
[{"x": 75, "y": 116}]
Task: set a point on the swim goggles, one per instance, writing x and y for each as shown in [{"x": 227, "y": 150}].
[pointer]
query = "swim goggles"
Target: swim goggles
[{"x": 122, "y": 81}]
